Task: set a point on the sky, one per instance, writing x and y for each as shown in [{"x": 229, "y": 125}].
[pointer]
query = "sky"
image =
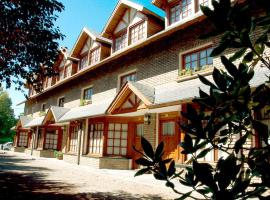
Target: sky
[{"x": 78, "y": 14}]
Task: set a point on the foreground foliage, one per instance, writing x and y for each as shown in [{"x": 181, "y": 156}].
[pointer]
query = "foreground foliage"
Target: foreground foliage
[
  {"x": 7, "y": 119},
  {"x": 28, "y": 41},
  {"x": 226, "y": 112}
]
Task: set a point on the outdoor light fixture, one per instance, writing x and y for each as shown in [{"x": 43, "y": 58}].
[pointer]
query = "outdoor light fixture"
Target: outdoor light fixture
[{"x": 147, "y": 118}]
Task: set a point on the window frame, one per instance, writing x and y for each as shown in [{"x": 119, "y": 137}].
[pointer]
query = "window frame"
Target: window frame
[
  {"x": 85, "y": 56},
  {"x": 48, "y": 132},
  {"x": 58, "y": 101},
  {"x": 179, "y": 3},
  {"x": 83, "y": 92},
  {"x": 73, "y": 141},
  {"x": 94, "y": 55},
  {"x": 126, "y": 74},
  {"x": 143, "y": 34},
  {"x": 43, "y": 107},
  {"x": 95, "y": 136},
  {"x": 24, "y": 136},
  {"x": 118, "y": 35}
]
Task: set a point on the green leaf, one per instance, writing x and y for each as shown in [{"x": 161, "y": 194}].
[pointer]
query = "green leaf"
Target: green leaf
[
  {"x": 142, "y": 171},
  {"x": 206, "y": 11},
  {"x": 160, "y": 177},
  {"x": 238, "y": 54},
  {"x": 206, "y": 81},
  {"x": 171, "y": 169},
  {"x": 147, "y": 147},
  {"x": 239, "y": 143},
  {"x": 230, "y": 67},
  {"x": 144, "y": 162},
  {"x": 248, "y": 57},
  {"x": 220, "y": 48},
  {"x": 184, "y": 196},
  {"x": 203, "y": 153},
  {"x": 219, "y": 79},
  {"x": 159, "y": 151}
]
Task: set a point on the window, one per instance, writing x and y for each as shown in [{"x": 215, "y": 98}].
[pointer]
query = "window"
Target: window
[
  {"x": 95, "y": 55},
  {"x": 120, "y": 42},
  {"x": 168, "y": 128},
  {"x": 23, "y": 139},
  {"x": 181, "y": 11},
  {"x": 137, "y": 33},
  {"x": 83, "y": 62},
  {"x": 88, "y": 93},
  {"x": 139, "y": 130},
  {"x": 195, "y": 61},
  {"x": 43, "y": 107},
  {"x": 95, "y": 141},
  {"x": 61, "y": 102},
  {"x": 51, "y": 140},
  {"x": 73, "y": 142},
  {"x": 128, "y": 77},
  {"x": 175, "y": 14},
  {"x": 117, "y": 139}
]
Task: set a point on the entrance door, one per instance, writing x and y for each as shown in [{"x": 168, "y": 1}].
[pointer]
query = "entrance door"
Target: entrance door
[
  {"x": 169, "y": 134},
  {"x": 137, "y": 143}
]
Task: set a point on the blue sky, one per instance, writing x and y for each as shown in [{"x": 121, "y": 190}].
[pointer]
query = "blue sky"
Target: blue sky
[{"x": 78, "y": 14}]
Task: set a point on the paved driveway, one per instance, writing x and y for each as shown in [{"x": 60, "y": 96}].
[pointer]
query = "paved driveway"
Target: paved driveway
[{"x": 26, "y": 177}]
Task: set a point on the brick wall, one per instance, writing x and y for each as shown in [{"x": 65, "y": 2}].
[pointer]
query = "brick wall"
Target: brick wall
[{"x": 154, "y": 66}]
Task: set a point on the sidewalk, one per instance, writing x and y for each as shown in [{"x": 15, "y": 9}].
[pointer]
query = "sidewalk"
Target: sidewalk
[{"x": 48, "y": 178}]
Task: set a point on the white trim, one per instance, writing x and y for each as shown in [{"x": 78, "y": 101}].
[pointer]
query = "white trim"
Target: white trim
[{"x": 124, "y": 74}]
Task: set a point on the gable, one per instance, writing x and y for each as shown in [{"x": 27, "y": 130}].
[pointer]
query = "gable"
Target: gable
[{"x": 86, "y": 46}]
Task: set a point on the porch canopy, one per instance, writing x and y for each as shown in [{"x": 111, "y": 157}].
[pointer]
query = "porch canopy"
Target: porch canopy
[{"x": 54, "y": 114}]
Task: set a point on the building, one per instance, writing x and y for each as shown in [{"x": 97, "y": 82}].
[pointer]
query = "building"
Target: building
[{"x": 132, "y": 79}]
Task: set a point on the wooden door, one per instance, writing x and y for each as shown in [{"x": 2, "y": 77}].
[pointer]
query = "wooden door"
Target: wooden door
[
  {"x": 137, "y": 143},
  {"x": 169, "y": 134}
]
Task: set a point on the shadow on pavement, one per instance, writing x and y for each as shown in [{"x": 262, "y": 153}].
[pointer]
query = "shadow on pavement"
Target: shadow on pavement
[{"x": 20, "y": 182}]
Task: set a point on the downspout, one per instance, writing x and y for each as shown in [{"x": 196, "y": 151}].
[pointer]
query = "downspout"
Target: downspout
[{"x": 79, "y": 143}]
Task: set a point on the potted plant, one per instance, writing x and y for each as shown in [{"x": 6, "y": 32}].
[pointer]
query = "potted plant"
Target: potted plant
[{"x": 58, "y": 155}]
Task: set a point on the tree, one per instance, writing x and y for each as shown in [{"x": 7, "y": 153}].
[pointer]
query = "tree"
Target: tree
[
  {"x": 28, "y": 41},
  {"x": 7, "y": 119},
  {"x": 233, "y": 104}
]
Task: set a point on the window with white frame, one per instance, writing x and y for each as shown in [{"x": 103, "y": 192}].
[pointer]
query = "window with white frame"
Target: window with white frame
[
  {"x": 137, "y": 33},
  {"x": 120, "y": 42},
  {"x": 128, "y": 77},
  {"x": 196, "y": 60},
  {"x": 23, "y": 139},
  {"x": 95, "y": 55},
  {"x": 51, "y": 140},
  {"x": 95, "y": 138},
  {"x": 181, "y": 11},
  {"x": 83, "y": 62},
  {"x": 168, "y": 128},
  {"x": 73, "y": 139},
  {"x": 87, "y": 93},
  {"x": 117, "y": 139}
]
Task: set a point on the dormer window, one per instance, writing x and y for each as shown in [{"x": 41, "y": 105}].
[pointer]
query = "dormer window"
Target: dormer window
[
  {"x": 62, "y": 74},
  {"x": 120, "y": 42},
  {"x": 68, "y": 71},
  {"x": 137, "y": 32},
  {"x": 83, "y": 62},
  {"x": 95, "y": 55},
  {"x": 181, "y": 10}
]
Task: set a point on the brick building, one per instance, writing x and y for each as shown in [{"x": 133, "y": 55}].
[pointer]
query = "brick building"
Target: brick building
[{"x": 132, "y": 79}]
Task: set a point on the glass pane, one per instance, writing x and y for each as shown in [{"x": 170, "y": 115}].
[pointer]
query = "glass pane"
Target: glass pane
[
  {"x": 203, "y": 62},
  {"x": 124, "y": 135},
  {"x": 110, "y": 134},
  {"x": 111, "y": 126},
  {"x": 116, "y": 142},
  {"x": 117, "y": 134},
  {"x": 123, "y": 143},
  {"x": 116, "y": 150},
  {"x": 194, "y": 57},
  {"x": 123, "y": 151},
  {"x": 109, "y": 150},
  {"x": 124, "y": 127},
  {"x": 117, "y": 127},
  {"x": 110, "y": 142},
  {"x": 203, "y": 54}
]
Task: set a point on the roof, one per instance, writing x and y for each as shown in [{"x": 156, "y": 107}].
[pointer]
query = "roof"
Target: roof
[
  {"x": 119, "y": 10},
  {"x": 35, "y": 122},
  {"x": 90, "y": 110},
  {"x": 145, "y": 93},
  {"x": 159, "y": 3},
  {"x": 84, "y": 34},
  {"x": 181, "y": 91},
  {"x": 56, "y": 113}
]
